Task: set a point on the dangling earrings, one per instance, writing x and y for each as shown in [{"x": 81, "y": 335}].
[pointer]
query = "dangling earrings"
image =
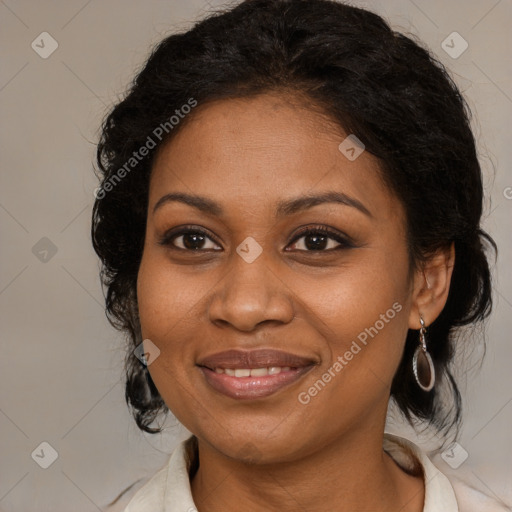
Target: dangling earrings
[{"x": 422, "y": 364}]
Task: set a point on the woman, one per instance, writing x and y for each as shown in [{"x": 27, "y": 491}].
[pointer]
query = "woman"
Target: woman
[{"x": 289, "y": 227}]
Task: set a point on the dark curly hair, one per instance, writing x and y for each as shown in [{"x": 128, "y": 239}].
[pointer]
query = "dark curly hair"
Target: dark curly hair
[{"x": 374, "y": 82}]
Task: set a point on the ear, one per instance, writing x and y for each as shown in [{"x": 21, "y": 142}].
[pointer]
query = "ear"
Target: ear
[{"x": 431, "y": 287}]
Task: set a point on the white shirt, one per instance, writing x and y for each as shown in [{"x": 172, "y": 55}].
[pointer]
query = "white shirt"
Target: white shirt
[{"x": 168, "y": 490}]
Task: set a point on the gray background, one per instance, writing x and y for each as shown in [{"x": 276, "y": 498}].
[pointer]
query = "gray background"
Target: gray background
[{"x": 61, "y": 375}]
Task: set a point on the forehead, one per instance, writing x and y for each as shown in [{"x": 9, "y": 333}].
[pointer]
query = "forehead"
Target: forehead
[{"x": 254, "y": 152}]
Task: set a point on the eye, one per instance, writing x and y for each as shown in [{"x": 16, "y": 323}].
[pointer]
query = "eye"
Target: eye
[
  {"x": 321, "y": 239},
  {"x": 187, "y": 238},
  {"x": 316, "y": 239}
]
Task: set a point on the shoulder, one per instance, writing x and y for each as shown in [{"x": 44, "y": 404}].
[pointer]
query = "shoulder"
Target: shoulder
[
  {"x": 471, "y": 498},
  {"x": 446, "y": 490},
  {"x": 145, "y": 494},
  {"x": 150, "y": 497},
  {"x": 167, "y": 489}
]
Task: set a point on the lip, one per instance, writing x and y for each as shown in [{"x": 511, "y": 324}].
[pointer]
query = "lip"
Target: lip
[
  {"x": 247, "y": 388},
  {"x": 260, "y": 358}
]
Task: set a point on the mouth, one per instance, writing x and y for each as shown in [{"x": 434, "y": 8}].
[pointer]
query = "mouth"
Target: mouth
[{"x": 246, "y": 375}]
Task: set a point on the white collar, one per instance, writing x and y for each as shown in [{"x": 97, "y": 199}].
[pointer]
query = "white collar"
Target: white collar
[
  {"x": 169, "y": 489},
  {"x": 439, "y": 493}
]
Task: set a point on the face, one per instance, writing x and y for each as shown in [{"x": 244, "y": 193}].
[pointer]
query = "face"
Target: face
[{"x": 237, "y": 272}]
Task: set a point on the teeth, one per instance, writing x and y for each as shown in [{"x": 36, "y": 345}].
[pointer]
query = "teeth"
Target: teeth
[
  {"x": 259, "y": 372},
  {"x": 253, "y": 372}
]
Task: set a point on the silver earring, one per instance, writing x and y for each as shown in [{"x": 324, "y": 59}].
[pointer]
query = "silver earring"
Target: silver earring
[{"x": 422, "y": 364}]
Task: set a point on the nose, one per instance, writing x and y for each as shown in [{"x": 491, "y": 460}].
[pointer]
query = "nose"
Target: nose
[{"x": 249, "y": 295}]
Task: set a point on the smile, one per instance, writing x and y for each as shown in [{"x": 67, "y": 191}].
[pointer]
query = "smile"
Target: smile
[
  {"x": 253, "y": 374},
  {"x": 244, "y": 387}
]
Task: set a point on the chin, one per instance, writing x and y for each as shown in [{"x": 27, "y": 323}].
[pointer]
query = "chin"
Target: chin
[{"x": 256, "y": 447}]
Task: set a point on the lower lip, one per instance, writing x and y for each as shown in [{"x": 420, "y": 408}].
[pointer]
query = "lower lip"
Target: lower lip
[{"x": 246, "y": 388}]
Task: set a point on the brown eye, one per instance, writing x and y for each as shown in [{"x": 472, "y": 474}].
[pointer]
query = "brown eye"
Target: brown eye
[
  {"x": 321, "y": 239},
  {"x": 188, "y": 239}
]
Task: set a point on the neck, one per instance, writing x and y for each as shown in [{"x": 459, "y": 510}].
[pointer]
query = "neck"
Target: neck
[{"x": 352, "y": 473}]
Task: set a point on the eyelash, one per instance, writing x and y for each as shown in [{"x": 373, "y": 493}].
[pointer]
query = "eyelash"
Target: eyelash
[{"x": 345, "y": 243}]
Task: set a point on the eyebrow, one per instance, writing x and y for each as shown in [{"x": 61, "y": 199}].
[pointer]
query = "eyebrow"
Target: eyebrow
[{"x": 284, "y": 208}]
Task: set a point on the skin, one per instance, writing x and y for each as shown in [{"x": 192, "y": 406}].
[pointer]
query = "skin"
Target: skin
[{"x": 276, "y": 453}]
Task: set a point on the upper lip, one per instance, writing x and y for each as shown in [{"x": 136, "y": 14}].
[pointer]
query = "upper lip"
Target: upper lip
[{"x": 261, "y": 358}]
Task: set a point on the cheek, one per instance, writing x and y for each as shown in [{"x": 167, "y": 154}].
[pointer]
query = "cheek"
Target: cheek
[
  {"x": 166, "y": 299},
  {"x": 165, "y": 311},
  {"x": 362, "y": 313},
  {"x": 364, "y": 323},
  {"x": 347, "y": 301}
]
